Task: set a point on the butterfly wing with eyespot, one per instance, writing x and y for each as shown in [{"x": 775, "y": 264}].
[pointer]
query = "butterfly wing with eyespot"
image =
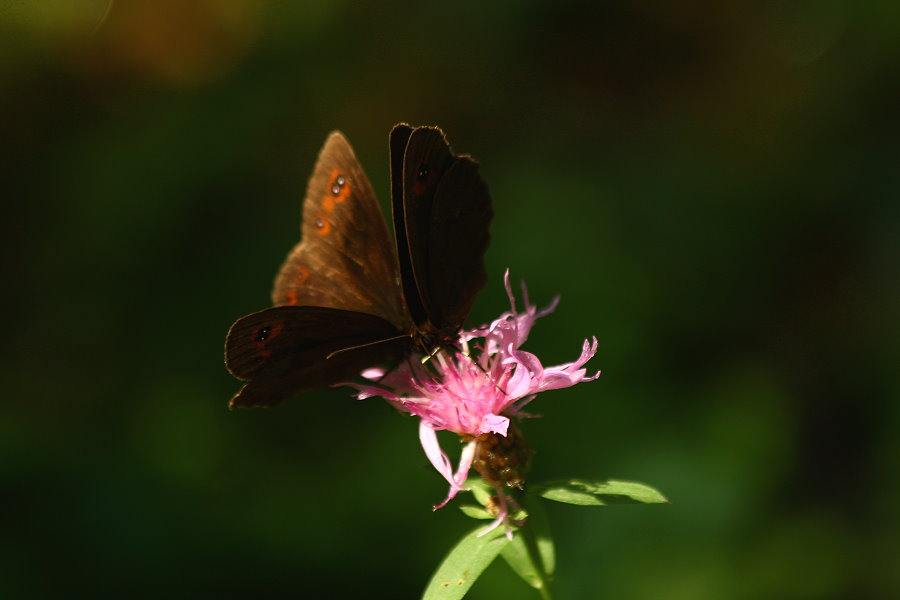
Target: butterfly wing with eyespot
[
  {"x": 444, "y": 210},
  {"x": 345, "y": 258},
  {"x": 284, "y": 350}
]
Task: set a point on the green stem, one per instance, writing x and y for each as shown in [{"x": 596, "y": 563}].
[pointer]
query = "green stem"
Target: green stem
[{"x": 534, "y": 554}]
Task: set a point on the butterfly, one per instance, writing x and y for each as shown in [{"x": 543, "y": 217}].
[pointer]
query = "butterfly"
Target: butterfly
[{"x": 346, "y": 298}]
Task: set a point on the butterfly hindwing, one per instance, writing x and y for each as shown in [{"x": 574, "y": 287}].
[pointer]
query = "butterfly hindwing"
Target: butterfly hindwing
[{"x": 284, "y": 350}]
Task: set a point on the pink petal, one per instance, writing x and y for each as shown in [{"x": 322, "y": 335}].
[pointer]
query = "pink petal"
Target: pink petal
[
  {"x": 520, "y": 383},
  {"x": 549, "y": 308},
  {"x": 509, "y": 293},
  {"x": 569, "y": 374},
  {"x": 373, "y": 373},
  {"x": 494, "y": 424},
  {"x": 462, "y": 473},
  {"x": 428, "y": 438},
  {"x": 501, "y": 518},
  {"x": 429, "y": 441},
  {"x": 368, "y": 391}
]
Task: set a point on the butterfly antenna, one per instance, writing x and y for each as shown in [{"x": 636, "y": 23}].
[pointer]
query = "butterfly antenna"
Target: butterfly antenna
[
  {"x": 468, "y": 354},
  {"x": 366, "y": 345},
  {"x": 486, "y": 374}
]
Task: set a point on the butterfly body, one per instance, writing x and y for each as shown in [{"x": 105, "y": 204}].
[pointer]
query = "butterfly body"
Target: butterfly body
[{"x": 347, "y": 298}]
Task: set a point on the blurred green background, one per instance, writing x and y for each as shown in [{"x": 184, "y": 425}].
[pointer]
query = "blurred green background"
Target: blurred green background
[{"x": 711, "y": 186}]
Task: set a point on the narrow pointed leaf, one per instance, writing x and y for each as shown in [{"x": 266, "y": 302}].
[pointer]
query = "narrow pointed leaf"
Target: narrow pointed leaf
[
  {"x": 516, "y": 556},
  {"x": 481, "y": 491},
  {"x": 541, "y": 525},
  {"x": 600, "y": 493},
  {"x": 475, "y": 512},
  {"x": 463, "y": 565},
  {"x": 516, "y": 552}
]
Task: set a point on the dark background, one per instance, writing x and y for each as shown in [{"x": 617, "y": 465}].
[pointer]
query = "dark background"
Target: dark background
[{"x": 711, "y": 186}]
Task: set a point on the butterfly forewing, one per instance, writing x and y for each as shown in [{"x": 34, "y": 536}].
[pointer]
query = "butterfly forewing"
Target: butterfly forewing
[
  {"x": 444, "y": 211},
  {"x": 399, "y": 138},
  {"x": 458, "y": 236},
  {"x": 345, "y": 257}
]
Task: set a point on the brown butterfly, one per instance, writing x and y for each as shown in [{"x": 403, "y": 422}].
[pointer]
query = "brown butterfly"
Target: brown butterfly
[{"x": 347, "y": 299}]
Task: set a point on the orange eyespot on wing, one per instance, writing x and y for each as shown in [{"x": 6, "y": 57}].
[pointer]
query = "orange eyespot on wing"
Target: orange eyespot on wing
[
  {"x": 340, "y": 187},
  {"x": 338, "y": 193},
  {"x": 323, "y": 225},
  {"x": 425, "y": 180},
  {"x": 267, "y": 333}
]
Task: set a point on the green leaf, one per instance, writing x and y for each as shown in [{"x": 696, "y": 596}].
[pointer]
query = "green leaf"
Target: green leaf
[
  {"x": 600, "y": 493},
  {"x": 481, "y": 491},
  {"x": 541, "y": 526},
  {"x": 475, "y": 512},
  {"x": 516, "y": 553},
  {"x": 516, "y": 556},
  {"x": 462, "y": 566},
  {"x": 486, "y": 496}
]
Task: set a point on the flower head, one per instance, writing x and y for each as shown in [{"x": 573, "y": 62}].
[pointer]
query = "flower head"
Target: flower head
[{"x": 474, "y": 394}]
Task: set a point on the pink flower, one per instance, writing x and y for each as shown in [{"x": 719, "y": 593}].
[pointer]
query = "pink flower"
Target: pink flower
[{"x": 475, "y": 393}]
